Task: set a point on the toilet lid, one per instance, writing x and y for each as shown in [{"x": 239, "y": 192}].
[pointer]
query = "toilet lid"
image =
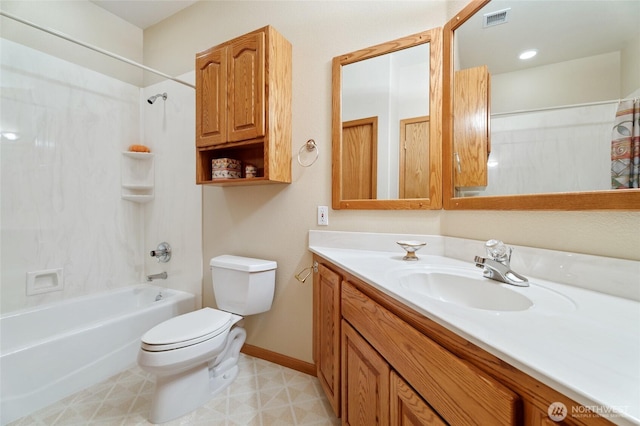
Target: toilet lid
[{"x": 186, "y": 329}]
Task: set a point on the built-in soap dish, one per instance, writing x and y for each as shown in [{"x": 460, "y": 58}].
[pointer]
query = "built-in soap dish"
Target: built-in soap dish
[
  {"x": 44, "y": 281},
  {"x": 411, "y": 247}
]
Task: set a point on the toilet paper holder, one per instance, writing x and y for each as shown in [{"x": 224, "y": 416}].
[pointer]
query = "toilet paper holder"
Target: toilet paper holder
[{"x": 304, "y": 274}]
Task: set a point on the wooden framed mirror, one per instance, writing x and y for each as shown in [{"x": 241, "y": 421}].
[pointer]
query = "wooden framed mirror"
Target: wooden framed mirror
[
  {"x": 387, "y": 125},
  {"x": 520, "y": 116}
]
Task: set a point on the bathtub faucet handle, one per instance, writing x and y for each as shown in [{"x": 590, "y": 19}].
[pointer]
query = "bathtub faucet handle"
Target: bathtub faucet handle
[{"x": 162, "y": 253}]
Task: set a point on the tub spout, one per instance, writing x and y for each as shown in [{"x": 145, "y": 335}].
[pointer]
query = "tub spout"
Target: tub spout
[{"x": 160, "y": 276}]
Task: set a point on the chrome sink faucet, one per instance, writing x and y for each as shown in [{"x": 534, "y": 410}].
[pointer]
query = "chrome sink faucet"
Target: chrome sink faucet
[{"x": 497, "y": 264}]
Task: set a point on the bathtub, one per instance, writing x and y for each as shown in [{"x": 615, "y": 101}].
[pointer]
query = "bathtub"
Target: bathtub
[{"x": 52, "y": 351}]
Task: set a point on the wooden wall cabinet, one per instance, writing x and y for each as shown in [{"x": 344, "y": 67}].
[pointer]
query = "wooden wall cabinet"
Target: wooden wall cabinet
[
  {"x": 397, "y": 367},
  {"x": 471, "y": 132},
  {"x": 243, "y": 107}
]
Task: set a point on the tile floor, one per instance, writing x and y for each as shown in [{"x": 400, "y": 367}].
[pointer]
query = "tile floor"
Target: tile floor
[{"x": 263, "y": 394}]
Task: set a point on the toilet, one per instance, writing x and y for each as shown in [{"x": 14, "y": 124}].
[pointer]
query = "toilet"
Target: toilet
[{"x": 195, "y": 355}]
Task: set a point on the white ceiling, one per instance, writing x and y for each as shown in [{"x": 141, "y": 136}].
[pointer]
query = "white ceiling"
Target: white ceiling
[
  {"x": 143, "y": 13},
  {"x": 559, "y": 29}
]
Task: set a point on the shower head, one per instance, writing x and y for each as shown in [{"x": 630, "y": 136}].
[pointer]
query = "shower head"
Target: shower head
[{"x": 154, "y": 97}]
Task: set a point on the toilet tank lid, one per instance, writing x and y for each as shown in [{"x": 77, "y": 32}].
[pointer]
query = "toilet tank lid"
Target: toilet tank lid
[{"x": 246, "y": 264}]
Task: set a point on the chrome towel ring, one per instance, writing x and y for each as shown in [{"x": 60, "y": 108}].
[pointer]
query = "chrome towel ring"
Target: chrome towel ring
[{"x": 309, "y": 146}]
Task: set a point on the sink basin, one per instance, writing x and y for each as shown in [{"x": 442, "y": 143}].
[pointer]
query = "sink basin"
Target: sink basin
[{"x": 462, "y": 289}]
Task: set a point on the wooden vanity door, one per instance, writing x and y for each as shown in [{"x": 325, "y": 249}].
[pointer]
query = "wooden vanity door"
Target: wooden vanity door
[
  {"x": 365, "y": 382},
  {"x": 327, "y": 333}
]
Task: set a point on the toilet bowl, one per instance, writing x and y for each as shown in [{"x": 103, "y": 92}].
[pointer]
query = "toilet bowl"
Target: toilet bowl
[{"x": 195, "y": 355}]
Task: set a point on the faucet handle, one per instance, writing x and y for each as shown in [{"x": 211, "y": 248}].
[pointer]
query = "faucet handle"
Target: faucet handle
[
  {"x": 497, "y": 250},
  {"x": 162, "y": 253}
]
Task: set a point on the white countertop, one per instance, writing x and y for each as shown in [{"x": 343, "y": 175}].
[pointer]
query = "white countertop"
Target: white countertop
[{"x": 587, "y": 346}]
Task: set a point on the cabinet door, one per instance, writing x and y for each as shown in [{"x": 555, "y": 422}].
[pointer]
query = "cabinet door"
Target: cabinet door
[
  {"x": 408, "y": 408},
  {"x": 211, "y": 98},
  {"x": 365, "y": 382},
  {"x": 471, "y": 133},
  {"x": 327, "y": 338},
  {"x": 247, "y": 88}
]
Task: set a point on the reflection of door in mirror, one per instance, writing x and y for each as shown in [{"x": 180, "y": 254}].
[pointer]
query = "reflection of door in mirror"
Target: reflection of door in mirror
[
  {"x": 414, "y": 158},
  {"x": 359, "y": 158},
  {"x": 393, "y": 81},
  {"x": 390, "y": 87}
]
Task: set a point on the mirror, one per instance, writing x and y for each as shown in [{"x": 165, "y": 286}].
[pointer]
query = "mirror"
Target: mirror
[
  {"x": 536, "y": 134},
  {"x": 383, "y": 95}
]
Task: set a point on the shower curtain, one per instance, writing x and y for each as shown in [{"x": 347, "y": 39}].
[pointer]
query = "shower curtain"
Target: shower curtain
[{"x": 625, "y": 146}]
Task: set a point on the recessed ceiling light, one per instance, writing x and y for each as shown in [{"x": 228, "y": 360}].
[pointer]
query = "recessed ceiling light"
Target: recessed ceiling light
[
  {"x": 528, "y": 54},
  {"x": 9, "y": 136}
]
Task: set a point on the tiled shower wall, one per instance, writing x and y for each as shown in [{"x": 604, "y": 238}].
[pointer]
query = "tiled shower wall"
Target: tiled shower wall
[
  {"x": 567, "y": 150},
  {"x": 60, "y": 179}
]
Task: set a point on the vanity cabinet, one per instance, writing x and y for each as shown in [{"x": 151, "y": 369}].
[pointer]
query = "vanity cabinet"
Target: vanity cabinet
[
  {"x": 459, "y": 392},
  {"x": 243, "y": 107},
  {"x": 399, "y": 367}
]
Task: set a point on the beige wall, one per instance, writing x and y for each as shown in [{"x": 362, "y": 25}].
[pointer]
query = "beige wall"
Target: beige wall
[
  {"x": 81, "y": 20},
  {"x": 272, "y": 221}
]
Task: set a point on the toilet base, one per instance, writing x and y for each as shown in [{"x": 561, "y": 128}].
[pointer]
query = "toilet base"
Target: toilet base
[{"x": 179, "y": 394}]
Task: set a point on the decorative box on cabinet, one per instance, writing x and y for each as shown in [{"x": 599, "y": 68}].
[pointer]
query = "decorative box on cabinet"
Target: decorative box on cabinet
[
  {"x": 137, "y": 176},
  {"x": 243, "y": 107}
]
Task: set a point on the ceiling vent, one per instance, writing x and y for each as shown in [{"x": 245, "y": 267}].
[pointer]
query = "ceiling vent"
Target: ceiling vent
[{"x": 495, "y": 18}]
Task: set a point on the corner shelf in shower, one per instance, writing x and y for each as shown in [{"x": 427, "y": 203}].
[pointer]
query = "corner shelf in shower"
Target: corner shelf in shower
[{"x": 138, "y": 176}]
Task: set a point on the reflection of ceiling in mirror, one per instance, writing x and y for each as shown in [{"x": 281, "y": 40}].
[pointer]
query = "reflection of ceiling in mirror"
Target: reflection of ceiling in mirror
[{"x": 560, "y": 30}]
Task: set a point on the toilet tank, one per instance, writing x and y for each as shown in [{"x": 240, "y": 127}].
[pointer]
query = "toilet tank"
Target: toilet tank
[{"x": 243, "y": 285}]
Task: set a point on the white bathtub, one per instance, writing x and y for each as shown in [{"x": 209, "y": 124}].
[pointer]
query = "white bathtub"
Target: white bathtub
[{"x": 52, "y": 351}]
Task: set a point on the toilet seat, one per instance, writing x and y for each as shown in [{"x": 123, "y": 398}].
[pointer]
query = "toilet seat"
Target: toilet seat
[{"x": 186, "y": 330}]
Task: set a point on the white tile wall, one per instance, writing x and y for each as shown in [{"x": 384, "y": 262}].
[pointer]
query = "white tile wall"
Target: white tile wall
[{"x": 60, "y": 180}]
